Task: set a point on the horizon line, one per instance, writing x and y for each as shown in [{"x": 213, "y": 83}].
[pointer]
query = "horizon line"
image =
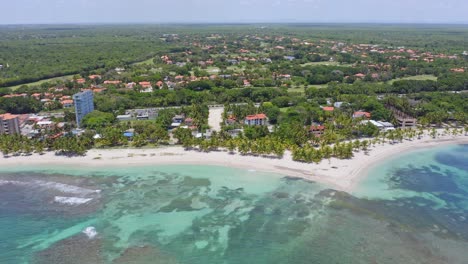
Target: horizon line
[{"x": 238, "y": 23}]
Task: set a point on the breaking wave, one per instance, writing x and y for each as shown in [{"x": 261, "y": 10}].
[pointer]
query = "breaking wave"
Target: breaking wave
[{"x": 71, "y": 200}]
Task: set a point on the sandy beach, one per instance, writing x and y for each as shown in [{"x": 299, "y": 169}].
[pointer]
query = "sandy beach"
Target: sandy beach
[{"x": 338, "y": 174}]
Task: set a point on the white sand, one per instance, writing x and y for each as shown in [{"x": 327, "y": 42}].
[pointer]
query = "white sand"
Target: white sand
[
  {"x": 339, "y": 174},
  {"x": 215, "y": 118}
]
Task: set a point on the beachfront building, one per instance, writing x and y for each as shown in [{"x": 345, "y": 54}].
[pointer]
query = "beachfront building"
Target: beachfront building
[
  {"x": 256, "y": 120},
  {"x": 317, "y": 130},
  {"x": 9, "y": 124},
  {"x": 83, "y": 105},
  {"x": 381, "y": 125}
]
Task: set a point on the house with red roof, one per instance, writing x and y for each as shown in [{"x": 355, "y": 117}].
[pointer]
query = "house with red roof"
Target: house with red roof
[
  {"x": 80, "y": 81},
  {"x": 361, "y": 114},
  {"x": 145, "y": 84},
  {"x": 188, "y": 121},
  {"x": 457, "y": 70},
  {"x": 112, "y": 82},
  {"x": 160, "y": 84},
  {"x": 256, "y": 120},
  {"x": 359, "y": 75},
  {"x": 147, "y": 88},
  {"x": 328, "y": 108},
  {"x": 317, "y": 130},
  {"x": 94, "y": 76},
  {"x": 67, "y": 103},
  {"x": 231, "y": 120}
]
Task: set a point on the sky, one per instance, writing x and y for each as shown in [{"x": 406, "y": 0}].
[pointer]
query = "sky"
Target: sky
[{"x": 232, "y": 11}]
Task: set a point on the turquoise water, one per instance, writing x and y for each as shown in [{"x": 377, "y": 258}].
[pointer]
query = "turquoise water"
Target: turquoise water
[{"x": 411, "y": 209}]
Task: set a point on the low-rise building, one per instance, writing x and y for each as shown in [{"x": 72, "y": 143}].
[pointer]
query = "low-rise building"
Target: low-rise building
[
  {"x": 256, "y": 120},
  {"x": 317, "y": 130},
  {"x": 67, "y": 103},
  {"x": 361, "y": 114}
]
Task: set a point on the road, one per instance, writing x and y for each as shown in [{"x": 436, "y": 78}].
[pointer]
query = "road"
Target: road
[{"x": 215, "y": 118}]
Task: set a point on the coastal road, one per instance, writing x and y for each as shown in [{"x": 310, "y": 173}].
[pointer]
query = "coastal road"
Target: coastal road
[{"x": 215, "y": 118}]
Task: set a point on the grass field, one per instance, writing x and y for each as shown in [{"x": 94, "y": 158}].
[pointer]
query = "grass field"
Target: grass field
[
  {"x": 417, "y": 78},
  {"x": 62, "y": 78},
  {"x": 296, "y": 90},
  {"x": 212, "y": 70},
  {"x": 284, "y": 109},
  {"x": 325, "y": 63},
  {"x": 301, "y": 90},
  {"x": 148, "y": 61}
]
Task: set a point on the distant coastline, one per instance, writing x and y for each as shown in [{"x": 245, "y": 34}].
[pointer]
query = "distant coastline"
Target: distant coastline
[{"x": 339, "y": 174}]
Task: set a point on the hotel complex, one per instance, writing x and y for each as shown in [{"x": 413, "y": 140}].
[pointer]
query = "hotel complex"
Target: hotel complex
[
  {"x": 9, "y": 124},
  {"x": 83, "y": 105}
]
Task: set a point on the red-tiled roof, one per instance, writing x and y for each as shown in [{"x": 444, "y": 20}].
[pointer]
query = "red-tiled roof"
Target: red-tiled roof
[
  {"x": 145, "y": 84},
  {"x": 257, "y": 116},
  {"x": 112, "y": 82},
  {"x": 64, "y": 102},
  {"x": 317, "y": 128},
  {"x": 328, "y": 108},
  {"x": 8, "y": 116},
  {"x": 94, "y": 76},
  {"x": 360, "y": 114}
]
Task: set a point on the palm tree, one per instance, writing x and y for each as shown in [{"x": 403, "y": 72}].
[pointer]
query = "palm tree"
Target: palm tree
[
  {"x": 365, "y": 145},
  {"x": 327, "y": 153},
  {"x": 231, "y": 146},
  {"x": 356, "y": 145},
  {"x": 420, "y": 132},
  {"x": 39, "y": 147},
  {"x": 433, "y": 133},
  {"x": 446, "y": 131},
  {"x": 278, "y": 149}
]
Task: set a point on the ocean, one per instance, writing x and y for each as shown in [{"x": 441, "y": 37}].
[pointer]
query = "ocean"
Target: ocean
[{"x": 412, "y": 208}]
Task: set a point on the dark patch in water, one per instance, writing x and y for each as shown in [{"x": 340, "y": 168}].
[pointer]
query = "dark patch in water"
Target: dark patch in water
[
  {"x": 424, "y": 180},
  {"x": 411, "y": 216},
  {"x": 457, "y": 158},
  {"x": 145, "y": 254},
  {"x": 78, "y": 249}
]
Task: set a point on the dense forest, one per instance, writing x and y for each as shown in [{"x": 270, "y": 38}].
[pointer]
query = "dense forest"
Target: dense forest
[{"x": 32, "y": 53}]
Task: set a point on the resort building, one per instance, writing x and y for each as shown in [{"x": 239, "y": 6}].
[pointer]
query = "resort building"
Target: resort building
[
  {"x": 9, "y": 124},
  {"x": 83, "y": 105},
  {"x": 256, "y": 120},
  {"x": 317, "y": 130},
  {"x": 381, "y": 125}
]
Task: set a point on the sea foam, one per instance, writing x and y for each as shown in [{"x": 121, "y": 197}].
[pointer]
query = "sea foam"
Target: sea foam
[
  {"x": 71, "y": 200},
  {"x": 90, "y": 232},
  {"x": 65, "y": 188}
]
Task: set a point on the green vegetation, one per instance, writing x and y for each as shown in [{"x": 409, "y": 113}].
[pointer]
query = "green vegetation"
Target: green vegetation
[
  {"x": 289, "y": 73},
  {"x": 424, "y": 77}
]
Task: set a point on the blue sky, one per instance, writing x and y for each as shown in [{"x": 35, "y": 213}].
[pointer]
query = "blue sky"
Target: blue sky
[{"x": 228, "y": 11}]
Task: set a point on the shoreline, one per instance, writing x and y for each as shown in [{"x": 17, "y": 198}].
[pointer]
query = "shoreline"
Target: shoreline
[{"x": 342, "y": 175}]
